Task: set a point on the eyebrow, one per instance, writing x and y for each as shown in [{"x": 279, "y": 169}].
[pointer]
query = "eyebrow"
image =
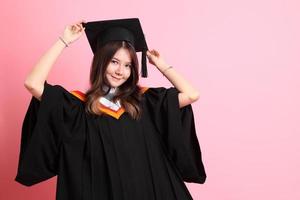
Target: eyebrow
[{"x": 119, "y": 60}]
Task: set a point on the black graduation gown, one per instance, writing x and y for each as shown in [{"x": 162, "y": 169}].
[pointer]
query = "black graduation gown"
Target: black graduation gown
[{"x": 110, "y": 158}]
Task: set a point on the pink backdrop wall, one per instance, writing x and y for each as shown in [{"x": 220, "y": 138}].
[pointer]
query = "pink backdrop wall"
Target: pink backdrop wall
[{"x": 243, "y": 56}]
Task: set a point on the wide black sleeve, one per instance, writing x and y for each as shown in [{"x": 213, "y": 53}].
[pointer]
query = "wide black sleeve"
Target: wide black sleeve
[
  {"x": 177, "y": 128},
  {"x": 46, "y": 124}
]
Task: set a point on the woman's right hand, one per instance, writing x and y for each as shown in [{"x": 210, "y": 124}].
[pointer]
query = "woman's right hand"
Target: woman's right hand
[{"x": 73, "y": 32}]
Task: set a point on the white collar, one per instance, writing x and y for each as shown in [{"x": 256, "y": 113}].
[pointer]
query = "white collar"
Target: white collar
[
  {"x": 106, "y": 100},
  {"x": 114, "y": 106}
]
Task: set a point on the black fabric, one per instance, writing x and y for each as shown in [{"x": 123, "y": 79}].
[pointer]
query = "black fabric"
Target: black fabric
[
  {"x": 177, "y": 128},
  {"x": 101, "y": 157},
  {"x": 113, "y": 34}
]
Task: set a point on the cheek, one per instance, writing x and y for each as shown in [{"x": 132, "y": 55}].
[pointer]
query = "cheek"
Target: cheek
[
  {"x": 109, "y": 69},
  {"x": 106, "y": 73},
  {"x": 128, "y": 72}
]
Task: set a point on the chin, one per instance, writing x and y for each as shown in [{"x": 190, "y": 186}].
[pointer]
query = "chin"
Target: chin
[{"x": 115, "y": 84}]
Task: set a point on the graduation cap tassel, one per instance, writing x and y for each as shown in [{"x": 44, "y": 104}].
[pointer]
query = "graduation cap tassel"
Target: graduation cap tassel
[{"x": 144, "y": 64}]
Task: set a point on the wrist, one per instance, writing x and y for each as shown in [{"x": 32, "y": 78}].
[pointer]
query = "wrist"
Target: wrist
[
  {"x": 166, "y": 69},
  {"x": 64, "y": 41},
  {"x": 163, "y": 66}
]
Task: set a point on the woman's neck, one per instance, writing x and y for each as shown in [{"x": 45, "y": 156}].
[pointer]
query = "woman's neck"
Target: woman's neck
[{"x": 112, "y": 89}]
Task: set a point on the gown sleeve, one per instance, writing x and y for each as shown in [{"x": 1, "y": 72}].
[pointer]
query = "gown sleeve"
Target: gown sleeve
[
  {"x": 44, "y": 127},
  {"x": 177, "y": 128}
]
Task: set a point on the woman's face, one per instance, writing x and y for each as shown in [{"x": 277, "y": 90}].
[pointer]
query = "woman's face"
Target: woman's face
[{"x": 118, "y": 69}]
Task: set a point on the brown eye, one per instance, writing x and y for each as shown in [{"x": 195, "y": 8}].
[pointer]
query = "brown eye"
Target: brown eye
[{"x": 114, "y": 62}]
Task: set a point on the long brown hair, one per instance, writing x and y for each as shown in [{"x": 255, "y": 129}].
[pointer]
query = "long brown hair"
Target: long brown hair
[{"x": 129, "y": 93}]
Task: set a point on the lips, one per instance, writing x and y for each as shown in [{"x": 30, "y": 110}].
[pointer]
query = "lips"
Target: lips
[{"x": 115, "y": 78}]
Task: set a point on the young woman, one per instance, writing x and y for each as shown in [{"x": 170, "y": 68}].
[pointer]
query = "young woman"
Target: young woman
[{"x": 119, "y": 140}]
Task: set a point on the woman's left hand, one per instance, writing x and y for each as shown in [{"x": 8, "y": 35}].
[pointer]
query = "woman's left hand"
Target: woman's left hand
[{"x": 155, "y": 58}]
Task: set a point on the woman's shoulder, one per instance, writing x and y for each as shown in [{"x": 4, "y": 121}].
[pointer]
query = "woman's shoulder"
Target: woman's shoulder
[
  {"x": 143, "y": 89},
  {"x": 154, "y": 89},
  {"x": 79, "y": 95},
  {"x": 57, "y": 93},
  {"x": 82, "y": 95}
]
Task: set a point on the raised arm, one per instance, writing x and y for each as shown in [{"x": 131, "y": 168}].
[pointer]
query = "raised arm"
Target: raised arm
[
  {"x": 34, "y": 82},
  {"x": 188, "y": 94}
]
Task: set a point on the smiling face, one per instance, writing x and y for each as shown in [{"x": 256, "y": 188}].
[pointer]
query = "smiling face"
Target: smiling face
[{"x": 119, "y": 68}]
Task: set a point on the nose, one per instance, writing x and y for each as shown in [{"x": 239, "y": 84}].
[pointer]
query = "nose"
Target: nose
[{"x": 119, "y": 70}]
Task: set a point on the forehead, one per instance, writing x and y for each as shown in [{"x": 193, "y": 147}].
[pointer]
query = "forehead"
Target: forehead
[{"x": 123, "y": 55}]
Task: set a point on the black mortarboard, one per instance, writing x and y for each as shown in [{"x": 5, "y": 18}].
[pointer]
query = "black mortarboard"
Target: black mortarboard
[{"x": 101, "y": 32}]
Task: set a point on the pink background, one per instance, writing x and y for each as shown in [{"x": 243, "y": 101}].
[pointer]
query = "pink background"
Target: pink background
[{"x": 243, "y": 56}]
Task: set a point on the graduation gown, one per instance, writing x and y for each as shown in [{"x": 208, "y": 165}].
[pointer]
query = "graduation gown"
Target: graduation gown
[{"x": 112, "y": 156}]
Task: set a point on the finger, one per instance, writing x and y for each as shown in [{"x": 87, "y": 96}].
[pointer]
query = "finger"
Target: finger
[
  {"x": 152, "y": 52},
  {"x": 156, "y": 52},
  {"x": 77, "y": 25},
  {"x": 81, "y": 25},
  {"x": 78, "y": 28},
  {"x": 73, "y": 28},
  {"x": 149, "y": 53}
]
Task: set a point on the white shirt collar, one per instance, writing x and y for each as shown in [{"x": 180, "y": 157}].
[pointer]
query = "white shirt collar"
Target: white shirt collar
[
  {"x": 114, "y": 106},
  {"x": 106, "y": 100}
]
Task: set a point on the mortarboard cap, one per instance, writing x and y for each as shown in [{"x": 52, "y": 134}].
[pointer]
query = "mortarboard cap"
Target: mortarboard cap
[{"x": 130, "y": 30}]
